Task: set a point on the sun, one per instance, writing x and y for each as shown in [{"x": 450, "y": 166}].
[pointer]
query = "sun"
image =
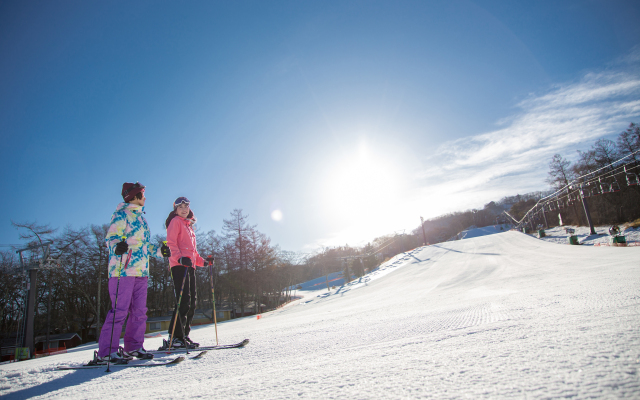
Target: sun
[{"x": 361, "y": 186}]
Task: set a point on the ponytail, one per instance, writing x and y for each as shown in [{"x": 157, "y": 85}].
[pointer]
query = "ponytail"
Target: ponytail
[{"x": 169, "y": 218}]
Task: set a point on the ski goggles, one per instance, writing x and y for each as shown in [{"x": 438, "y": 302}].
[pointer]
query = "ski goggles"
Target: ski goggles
[{"x": 180, "y": 200}]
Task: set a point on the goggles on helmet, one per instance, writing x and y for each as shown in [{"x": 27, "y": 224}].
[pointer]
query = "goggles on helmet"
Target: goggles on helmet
[{"x": 180, "y": 200}]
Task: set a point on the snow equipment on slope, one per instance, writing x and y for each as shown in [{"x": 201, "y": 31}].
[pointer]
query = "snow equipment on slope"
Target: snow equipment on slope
[
  {"x": 190, "y": 343},
  {"x": 140, "y": 354},
  {"x": 182, "y": 350},
  {"x": 115, "y": 358},
  {"x": 175, "y": 319},
  {"x": 211, "y": 259},
  {"x": 199, "y": 355},
  {"x": 176, "y": 344},
  {"x": 126, "y": 365}
]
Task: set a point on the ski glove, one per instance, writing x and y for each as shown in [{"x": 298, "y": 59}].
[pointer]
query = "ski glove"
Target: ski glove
[
  {"x": 186, "y": 261},
  {"x": 121, "y": 248},
  {"x": 210, "y": 261},
  {"x": 165, "y": 250}
]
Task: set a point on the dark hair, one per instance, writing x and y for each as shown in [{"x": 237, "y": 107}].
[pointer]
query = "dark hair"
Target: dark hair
[
  {"x": 173, "y": 214},
  {"x": 137, "y": 196}
]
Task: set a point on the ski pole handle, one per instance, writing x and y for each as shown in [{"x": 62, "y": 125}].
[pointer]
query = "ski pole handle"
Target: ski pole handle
[{"x": 166, "y": 252}]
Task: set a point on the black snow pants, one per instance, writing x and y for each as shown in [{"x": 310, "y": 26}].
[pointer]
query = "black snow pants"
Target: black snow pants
[{"x": 187, "y": 306}]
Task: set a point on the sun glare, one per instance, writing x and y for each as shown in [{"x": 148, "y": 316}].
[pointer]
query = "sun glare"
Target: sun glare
[
  {"x": 361, "y": 187},
  {"x": 276, "y": 215}
]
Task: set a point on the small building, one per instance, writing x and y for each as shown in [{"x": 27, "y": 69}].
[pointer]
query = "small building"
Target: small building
[
  {"x": 8, "y": 348},
  {"x": 56, "y": 342},
  {"x": 156, "y": 324}
]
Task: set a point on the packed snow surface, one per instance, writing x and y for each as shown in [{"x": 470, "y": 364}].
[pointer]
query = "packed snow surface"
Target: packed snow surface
[
  {"x": 499, "y": 316},
  {"x": 483, "y": 231}
]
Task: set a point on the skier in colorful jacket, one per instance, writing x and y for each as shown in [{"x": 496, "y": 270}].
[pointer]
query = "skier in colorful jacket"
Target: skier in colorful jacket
[
  {"x": 181, "y": 240},
  {"x": 128, "y": 239}
]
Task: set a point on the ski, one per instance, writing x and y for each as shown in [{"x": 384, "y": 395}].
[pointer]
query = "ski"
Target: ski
[
  {"x": 199, "y": 355},
  {"x": 173, "y": 361},
  {"x": 201, "y": 348}
]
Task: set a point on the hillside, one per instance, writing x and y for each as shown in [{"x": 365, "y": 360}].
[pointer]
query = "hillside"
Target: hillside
[{"x": 504, "y": 315}]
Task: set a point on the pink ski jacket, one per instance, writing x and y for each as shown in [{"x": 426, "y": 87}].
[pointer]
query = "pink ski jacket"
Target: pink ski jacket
[{"x": 182, "y": 241}]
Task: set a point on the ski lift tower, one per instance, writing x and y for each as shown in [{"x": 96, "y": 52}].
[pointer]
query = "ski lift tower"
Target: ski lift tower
[{"x": 32, "y": 258}]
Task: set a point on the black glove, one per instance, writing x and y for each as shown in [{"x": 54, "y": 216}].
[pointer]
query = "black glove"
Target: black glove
[
  {"x": 186, "y": 261},
  {"x": 210, "y": 261},
  {"x": 121, "y": 248},
  {"x": 165, "y": 250}
]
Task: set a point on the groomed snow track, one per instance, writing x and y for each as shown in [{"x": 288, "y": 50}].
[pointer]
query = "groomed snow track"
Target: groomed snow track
[{"x": 500, "y": 316}]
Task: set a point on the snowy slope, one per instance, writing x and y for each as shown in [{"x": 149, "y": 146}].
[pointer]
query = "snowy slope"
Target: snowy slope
[
  {"x": 484, "y": 231},
  {"x": 505, "y": 315}
]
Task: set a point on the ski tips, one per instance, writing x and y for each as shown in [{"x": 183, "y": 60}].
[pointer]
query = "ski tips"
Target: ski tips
[{"x": 199, "y": 355}]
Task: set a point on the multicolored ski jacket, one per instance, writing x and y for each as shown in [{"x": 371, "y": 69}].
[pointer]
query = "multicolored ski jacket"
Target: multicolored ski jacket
[
  {"x": 128, "y": 221},
  {"x": 181, "y": 239}
]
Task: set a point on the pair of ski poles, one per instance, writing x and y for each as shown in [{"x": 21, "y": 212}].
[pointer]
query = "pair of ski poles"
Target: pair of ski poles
[{"x": 184, "y": 278}]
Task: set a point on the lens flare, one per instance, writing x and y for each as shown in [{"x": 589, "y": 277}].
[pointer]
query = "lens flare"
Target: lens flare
[{"x": 276, "y": 215}]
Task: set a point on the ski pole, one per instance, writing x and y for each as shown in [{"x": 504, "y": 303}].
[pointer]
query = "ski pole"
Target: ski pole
[
  {"x": 211, "y": 259},
  {"x": 115, "y": 303},
  {"x": 186, "y": 270}
]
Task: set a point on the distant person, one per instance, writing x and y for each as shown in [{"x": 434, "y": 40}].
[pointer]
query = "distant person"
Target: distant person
[
  {"x": 181, "y": 239},
  {"x": 128, "y": 232}
]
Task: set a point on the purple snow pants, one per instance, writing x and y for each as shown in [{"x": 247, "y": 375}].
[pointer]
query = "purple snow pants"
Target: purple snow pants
[{"x": 132, "y": 299}]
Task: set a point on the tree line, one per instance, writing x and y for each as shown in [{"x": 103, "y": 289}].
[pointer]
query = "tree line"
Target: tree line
[
  {"x": 249, "y": 273},
  {"x": 607, "y": 181}
]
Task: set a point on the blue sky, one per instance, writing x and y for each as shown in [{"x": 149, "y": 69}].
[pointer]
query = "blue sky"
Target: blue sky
[{"x": 327, "y": 122}]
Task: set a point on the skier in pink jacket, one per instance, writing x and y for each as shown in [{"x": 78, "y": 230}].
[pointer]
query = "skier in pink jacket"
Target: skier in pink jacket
[{"x": 181, "y": 239}]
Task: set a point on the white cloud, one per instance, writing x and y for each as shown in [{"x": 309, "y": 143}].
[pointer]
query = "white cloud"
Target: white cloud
[{"x": 514, "y": 158}]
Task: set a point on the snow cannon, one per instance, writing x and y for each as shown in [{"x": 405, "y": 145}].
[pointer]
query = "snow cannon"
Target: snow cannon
[
  {"x": 617, "y": 239},
  {"x": 572, "y": 238}
]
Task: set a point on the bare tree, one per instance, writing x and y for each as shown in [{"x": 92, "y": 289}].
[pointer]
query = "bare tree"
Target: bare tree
[
  {"x": 628, "y": 142},
  {"x": 560, "y": 173},
  {"x": 605, "y": 153},
  {"x": 237, "y": 231}
]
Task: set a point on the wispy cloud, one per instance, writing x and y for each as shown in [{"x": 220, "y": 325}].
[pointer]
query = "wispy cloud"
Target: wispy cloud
[{"x": 514, "y": 158}]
